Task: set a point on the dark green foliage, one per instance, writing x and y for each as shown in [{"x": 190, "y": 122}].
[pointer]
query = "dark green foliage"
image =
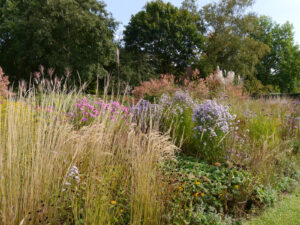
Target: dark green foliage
[
  {"x": 204, "y": 194},
  {"x": 77, "y": 34},
  {"x": 265, "y": 195},
  {"x": 160, "y": 39},
  {"x": 132, "y": 68},
  {"x": 255, "y": 86},
  {"x": 171, "y": 37},
  {"x": 202, "y": 190},
  {"x": 281, "y": 66}
]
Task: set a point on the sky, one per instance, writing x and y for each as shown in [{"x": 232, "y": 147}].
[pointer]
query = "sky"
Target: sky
[{"x": 280, "y": 10}]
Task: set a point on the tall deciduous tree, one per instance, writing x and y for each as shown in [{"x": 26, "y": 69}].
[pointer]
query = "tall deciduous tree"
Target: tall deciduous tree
[
  {"x": 170, "y": 37},
  {"x": 77, "y": 34},
  {"x": 281, "y": 66},
  {"x": 229, "y": 44},
  {"x": 190, "y": 5}
]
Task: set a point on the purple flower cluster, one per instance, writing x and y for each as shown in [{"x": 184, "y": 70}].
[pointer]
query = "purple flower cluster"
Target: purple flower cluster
[
  {"x": 165, "y": 100},
  {"x": 176, "y": 104},
  {"x": 183, "y": 98},
  {"x": 86, "y": 109},
  {"x": 142, "y": 106},
  {"x": 180, "y": 97},
  {"x": 212, "y": 118},
  {"x": 144, "y": 109}
]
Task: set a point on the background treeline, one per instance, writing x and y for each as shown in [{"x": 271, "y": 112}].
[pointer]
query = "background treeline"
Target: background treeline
[{"x": 78, "y": 36}]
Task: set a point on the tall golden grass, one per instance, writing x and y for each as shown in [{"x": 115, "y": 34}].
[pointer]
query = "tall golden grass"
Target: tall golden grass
[{"x": 118, "y": 180}]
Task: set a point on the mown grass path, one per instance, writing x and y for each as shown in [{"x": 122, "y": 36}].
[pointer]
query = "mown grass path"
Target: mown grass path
[{"x": 286, "y": 212}]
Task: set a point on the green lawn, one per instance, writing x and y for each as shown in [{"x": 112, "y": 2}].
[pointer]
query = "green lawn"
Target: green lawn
[{"x": 286, "y": 212}]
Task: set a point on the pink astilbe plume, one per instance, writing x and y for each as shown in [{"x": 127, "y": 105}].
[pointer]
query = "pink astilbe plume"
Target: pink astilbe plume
[{"x": 4, "y": 82}]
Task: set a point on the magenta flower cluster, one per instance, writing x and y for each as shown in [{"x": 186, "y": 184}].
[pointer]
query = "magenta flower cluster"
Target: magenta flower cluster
[{"x": 86, "y": 110}]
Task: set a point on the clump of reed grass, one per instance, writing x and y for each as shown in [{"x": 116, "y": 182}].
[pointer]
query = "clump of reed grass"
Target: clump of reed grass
[{"x": 53, "y": 172}]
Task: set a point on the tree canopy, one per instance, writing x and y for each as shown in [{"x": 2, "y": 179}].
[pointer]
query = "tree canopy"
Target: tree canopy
[
  {"x": 77, "y": 34},
  {"x": 170, "y": 36},
  {"x": 281, "y": 66},
  {"x": 161, "y": 38},
  {"x": 229, "y": 44}
]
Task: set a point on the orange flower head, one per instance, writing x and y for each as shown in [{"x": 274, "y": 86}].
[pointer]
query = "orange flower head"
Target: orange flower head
[{"x": 218, "y": 164}]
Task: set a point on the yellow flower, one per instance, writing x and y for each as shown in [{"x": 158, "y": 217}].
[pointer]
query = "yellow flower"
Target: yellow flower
[
  {"x": 197, "y": 182},
  {"x": 113, "y": 202},
  {"x": 196, "y": 194},
  {"x": 236, "y": 186},
  {"x": 202, "y": 194},
  {"x": 180, "y": 188},
  {"x": 122, "y": 210}
]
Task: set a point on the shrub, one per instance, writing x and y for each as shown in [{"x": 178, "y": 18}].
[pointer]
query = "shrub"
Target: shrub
[
  {"x": 155, "y": 87},
  {"x": 194, "y": 85}
]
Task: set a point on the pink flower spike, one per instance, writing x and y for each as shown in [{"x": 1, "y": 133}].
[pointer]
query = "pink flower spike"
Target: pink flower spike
[{"x": 84, "y": 119}]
